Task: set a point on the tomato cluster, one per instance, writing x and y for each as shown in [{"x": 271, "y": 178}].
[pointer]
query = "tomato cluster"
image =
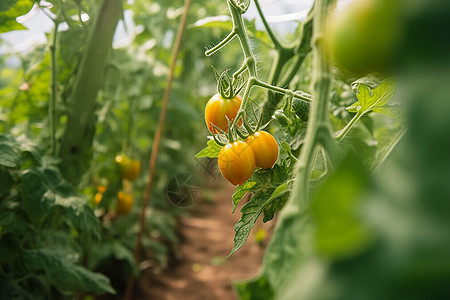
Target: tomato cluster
[{"x": 238, "y": 159}]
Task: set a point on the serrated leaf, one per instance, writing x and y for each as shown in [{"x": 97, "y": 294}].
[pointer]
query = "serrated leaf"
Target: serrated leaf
[
  {"x": 354, "y": 107},
  {"x": 393, "y": 111},
  {"x": 289, "y": 244},
  {"x": 80, "y": 215},
  {"x": 240, "y": 192},
  {"x": 35, "y": 205},
  {"x": 211, "y": 151},
  {"x": 8, "y": 156},
  {"x": 250, "y": 213},
  {"x": 373, "y": 99},
  {"x": 274, "y": 206},
  {"x": 64, "y": 274}
]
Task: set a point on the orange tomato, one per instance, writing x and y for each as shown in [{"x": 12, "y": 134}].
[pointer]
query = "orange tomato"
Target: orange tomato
[
  {"x": 265, "y": 149},
  {"x": 101, "y": 189},
  {"x": 98, "y": 198},
  {"x": 218, "y": 109},
  {"x": 236, "y": 162},
  {"x": 124, "y": 203}
]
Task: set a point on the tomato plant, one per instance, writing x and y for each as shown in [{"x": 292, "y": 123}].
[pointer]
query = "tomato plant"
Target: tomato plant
[
  {"x": 236, "y": 162},
  {"x": 264, "y": 147},
  {"x": 219, "y": 110}
]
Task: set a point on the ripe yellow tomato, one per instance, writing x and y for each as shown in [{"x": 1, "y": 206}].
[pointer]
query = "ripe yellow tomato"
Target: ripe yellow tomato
[
  {"x": 218, "y": 109},
  {"x": 129, "y": 168},
  {"x": 98, "y": 198},
  {"x": 236, "y": 162},
  {"x": 264, "y": 147},
  {"x": 124, "y": 203}
]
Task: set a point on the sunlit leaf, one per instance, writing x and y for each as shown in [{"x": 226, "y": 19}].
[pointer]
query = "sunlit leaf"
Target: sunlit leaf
[
  {"x": 211, "y": 151},
  {"x": 250, "y": 213},
  {"x": 373, "y": 99}
]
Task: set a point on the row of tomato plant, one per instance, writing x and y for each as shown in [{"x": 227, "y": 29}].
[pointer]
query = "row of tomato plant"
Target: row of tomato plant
[{"x": 69, "y": 216}]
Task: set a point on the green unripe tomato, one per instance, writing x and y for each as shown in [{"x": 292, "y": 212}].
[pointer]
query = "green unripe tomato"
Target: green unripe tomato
[{"x": 365, "y": 37}]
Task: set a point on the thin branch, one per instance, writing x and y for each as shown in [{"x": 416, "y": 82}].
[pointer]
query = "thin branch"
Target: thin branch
[
  {"x": 52, "y": 103},
  {"x": 222, "y": 43},
  {"x": 389, "y": 149},
  {"x": 349, "y": 126},
  {"x": 272, "y": 36},
  {"x": 156, "y": 143}
]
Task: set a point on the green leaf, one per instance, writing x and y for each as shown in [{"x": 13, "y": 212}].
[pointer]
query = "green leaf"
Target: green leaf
[
  {"x": 6, "y": 181},
  {"x": 393, "y": 111},
  {"x": 274, "y": 206},
  {"x": 80, "y": 215},
  {"x": 255, "y": 288},
  {"x": 34, "y": 203},
  {"x": 12, "y": 223},
  {"x": 64, "y": 274},
  {"x": 10, "y": 10},
  {"x": 110, "y": 248},
  {"x": 240, "y": 192},
  {"x": 281, "y": 196},
  {"x": 288, "y": 247},
  {"x": 211, "y": 151},
  {"x": 250, "y": 213},
  {"x": 8, "y": 156},
  {"x": 370, "y": 80},
  {"x": 373, "y": 99}
]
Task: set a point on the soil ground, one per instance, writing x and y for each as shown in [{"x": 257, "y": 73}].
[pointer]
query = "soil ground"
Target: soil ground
[{"x": 203, "y": 272}]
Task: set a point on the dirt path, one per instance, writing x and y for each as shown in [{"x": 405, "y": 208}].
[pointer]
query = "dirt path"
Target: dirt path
[{"x": 203, "y": 273}]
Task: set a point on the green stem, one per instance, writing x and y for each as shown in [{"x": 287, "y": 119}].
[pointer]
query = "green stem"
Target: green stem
[
  {"x": 319, "y": 128},
  {"x": 52, "y": 102},
  {"x": 389, "y": 149},
  {"x": 303, "y": 96},
  {"x": 76, "y": 143},
  {"x": 300, "y": 52},
  {"x": 239, "y": 29},
  {"x": 239, "y": 71},
  {"x": 225, "y": 41},
  {"x": 272, "y": 36},
  {"x": 349, "y": 126}
]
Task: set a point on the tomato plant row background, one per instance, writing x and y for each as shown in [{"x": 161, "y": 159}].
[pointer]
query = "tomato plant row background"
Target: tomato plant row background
[{"x": 357, "y": 106}]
